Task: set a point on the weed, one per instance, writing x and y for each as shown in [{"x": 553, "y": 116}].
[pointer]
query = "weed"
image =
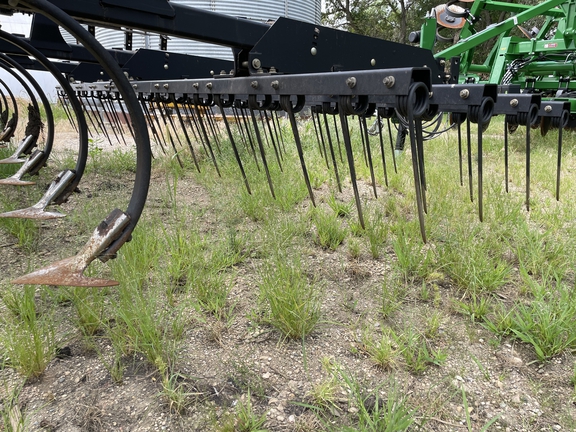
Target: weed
[
  {"x": 246, "y": 419},
  {"x": 329, "y": 230},
  {"x": 433, "y": 322},
  {"x": 392, "y": 296},
  {"x": 13, "y": 419},
  {"x": 339, "y": 208},
  {"x": 418, "y": 356},
  {"x": 477, "y": 308},
  {"x": 89, "y": 306},
  {"x": 384, "y": 352},
  {"x": 292, "y": 302}
]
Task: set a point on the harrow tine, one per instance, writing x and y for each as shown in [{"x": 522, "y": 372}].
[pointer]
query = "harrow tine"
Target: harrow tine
[
  {"x": 183, "y": 126},
  {"x": 243, "y": 116},
  {"x": 364, "y": 131},
  {"x": 351, "y": 167},
  {"x": 337, "y": 137},
  {"x": 323, "y": 152},
  {"x": 559, "y": 160},
  {"x": 221, "y": 104},
  {"x": 128, "y": 123},
  {"x": 213, "y": 128},
  {"x": 469, "y": 148},
  {"x": 506, "y": 168},
  {"x": 116, "y": 117},
  {"x": 98, "y": 117},
  {"x": 194, "y": 127},
  {"x": 422, "y": 172},
  {"x": 363, "y": 140},
  {"x": 239, "y": 126},
  {"x": 392, "y": 144},
  {"x": 275, "y": 142},
  {"x": 480, "y": 173},
  {"x": 262, "y": 151},
  {"x": 278, "y": 130},
  {"x": 313, "y": 109},
  {"x": 332, "y": 154},
  {"x": 381, "y": 140},
  {"x": 528, "y": 124},
  {"x": 88, "y": 114},
  {"x": 270, "y": 138},
  {"x": 108, "y": 109},
  {"x": 172, "y": 125},
  {"x": 62, "y": 101},
  {"x": 204, "y": 133},
  {"x": 164, "y": 114},
  {"x": 286, "y": 104},
  {"x": 151, "y": 125}
]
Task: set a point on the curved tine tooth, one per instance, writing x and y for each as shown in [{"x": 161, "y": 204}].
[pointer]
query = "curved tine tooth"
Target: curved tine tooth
[
  {"x": 506, "y": 152},
  {"x": 559, "y": 161},
  {"x": 351, "y": 167},
  {"x": 392, "y": 144},
  {"x": 332, "y": 154},
  {"x": 205, "y": 134},
  {"x": 338, "y": 138},
  {"x": 275, "y": 143},
  {"x": 422, "y": 172},
  {"x": 69, "y": 272},
  {"x": 64, "y": 104},
  {"x": 16, "y": 179},
  {"x": 364, "y": 131},
  {"x": 278, "y": 131},
  {"x": 164, "y": 113},
  {"x": 270, "y": 138},
  {"x": 363, "y": 140},
  {"x": 25, "y": 145},
  {"x": 415, "y": 168},
  {"x": 528, "y": 164},
  {"x": 183, "y": 126},
  {"x": 324, "y": 153},
  {"x": 381, "y": 140},
  {"x": 236, "y": 154},
  {"x": 287, "y": 105},
  {"x": 262, "y": 152},
  {"x": 151, "y": 125},
  {"x": 316, "y": 131},
  {"x": 250, "y": 138},
  {"x": 469, "y": 147},
  {"x": 460, "y": 153},
  {"x": 480, "y": 173},
  {"x": 37, "y": 210}
]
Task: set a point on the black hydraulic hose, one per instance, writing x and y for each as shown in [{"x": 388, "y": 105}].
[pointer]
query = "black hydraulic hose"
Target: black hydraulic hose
[
  {"x": 76, "y": 107},
  {"x": 111, "y": 67}
]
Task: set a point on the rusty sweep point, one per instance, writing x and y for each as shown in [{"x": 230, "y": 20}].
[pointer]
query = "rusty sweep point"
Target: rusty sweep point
[
  {"x": 32, "y": 213},
  {"x": 67, "y": 272}
]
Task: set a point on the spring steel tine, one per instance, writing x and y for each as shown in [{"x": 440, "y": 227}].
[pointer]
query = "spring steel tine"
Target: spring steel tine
[
  {"x": 269, "y": 134},
  {"x": 422, "y": 172},
  {"x": 205, "y": 134},
  {"x": 172, "y": 123},
  {"x": 332, "y": 154},
  {"x": 239, "y": 127},
  {"x": 155, "y": 114},
  {"x": 559, "y": 160},
  {"x": 112, "y": 118},
  {"x": 480, "y": 173},
  {"x": 287, "y": 105},
  {"x": 379, "y": 120},
  {"x": 209, "y": 114},
  {"x": 391, "y": 144},
  {"x": 278, "y": 130},
  {"x": 273, "y": 138},
  {"x": 415, "y": 168},
  {"x": 338, "y": 138},
  {"x": 506, "y": 169},
  {"x": 62, "y": 101},
  {"x": 528, "y": 121},
  {"x": 88, "y": 116},
  {"x": 117, "y": 119},
  {"x": 364, "y": 131},
  {"x": 316, "y": 131},
  {"x": 183, "y": 126},
  {"x": 191, "y": 116},
  {"x": 151, "y": 125},
  {"x": 262, "y": 152},
  {"x": 249, "y": 135},
  {"x": 351, "y": 167},
  {"x": 469, "y": 144},
  {"x": 322, "y": 141},
  {"x": 99, "y": 119},
  {"x": 363, "y": 141},
  {"x": 163, "y": 113},
  {"x": 236, "y": 154},
  {"x": 460, "y": 153},
  {"x": 126, "y": 120}
]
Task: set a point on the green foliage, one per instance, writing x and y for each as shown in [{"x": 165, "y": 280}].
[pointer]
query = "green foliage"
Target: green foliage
[{"x": 329, "y": 230}]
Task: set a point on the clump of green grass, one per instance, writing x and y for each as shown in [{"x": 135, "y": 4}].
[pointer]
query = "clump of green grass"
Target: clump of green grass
[
  {"x": 324, "y": 394},
  {"x": 477, "y": 307},
  {"x": 385, "y": 351},
  {"x": 290, "y": 300},
  {"x": 330, "y": 232},
  {"x": 243, "y": 419}
]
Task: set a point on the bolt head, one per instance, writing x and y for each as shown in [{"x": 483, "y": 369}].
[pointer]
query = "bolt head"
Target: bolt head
[
  {"x": 165, "y": 86},
  {"x": 166, "y": 66},
  {"x": 373, "y": 62},
  {"x": 548, "y": 108},
  {"x": 275, "y": 84},
  {"x": 351, "y": 82},
  {"x": 195, "y": 85},
  {"x": 389, "y": 81},
  {"x": 254, "y": 84},
  {"x": 464, "y": 94},
  {"x": 209, "y": 86},
  {"x": 514, "y": 103},
  {"x": 313, "y": 51},
  {"x": 256, "y": 63}
]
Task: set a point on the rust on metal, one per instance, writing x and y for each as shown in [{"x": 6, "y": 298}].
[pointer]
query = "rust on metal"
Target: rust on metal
[
  {"x": 11, "y": 181},
  {"x": 69, "y": 271},
  {"x": 32, "y": 213}
]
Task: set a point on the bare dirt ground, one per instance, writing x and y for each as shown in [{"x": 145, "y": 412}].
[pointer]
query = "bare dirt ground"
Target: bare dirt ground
[{"x": 218, "y": 366}]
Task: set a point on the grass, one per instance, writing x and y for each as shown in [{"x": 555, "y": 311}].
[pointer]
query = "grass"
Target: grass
[{"x": 226, "y": 269}]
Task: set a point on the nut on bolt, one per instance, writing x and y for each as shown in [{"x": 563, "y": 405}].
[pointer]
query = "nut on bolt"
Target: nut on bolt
[
  {"x": 389, "y": 81},
  {"x": 165, "y": 86},
  {"x": 514, "y": 103},
  {"x": 254, "y": 84},
  {"x": 275, "y": 84},
  {"x": 209, "y": 86},
  {"x": 196, "y": 85},
  {"x": 548, "y": 108},
  {"x": 351, "y": 82},
  {"x": 464, "y": 94},
  {"x": 157, "y": 85}
]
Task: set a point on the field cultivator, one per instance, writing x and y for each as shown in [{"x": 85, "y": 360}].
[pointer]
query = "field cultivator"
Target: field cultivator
[{"x": 284, "y": 68}]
